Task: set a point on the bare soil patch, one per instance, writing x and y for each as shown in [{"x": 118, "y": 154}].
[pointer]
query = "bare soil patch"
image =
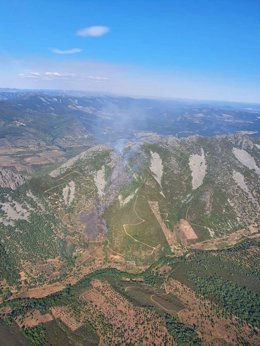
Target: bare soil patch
[
  {"x": 246, "y": 159},
  {"x": 156, "y": 167},
  {"x": 198, "y": 169},
  {"x": 185, "y": 231},
  {"x": 69, "y": 193},
  {"x": 42, "y": 291},
  {"x": 33, "y": 319}
]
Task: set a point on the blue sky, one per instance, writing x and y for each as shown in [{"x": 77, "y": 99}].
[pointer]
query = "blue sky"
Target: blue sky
[{"x": 207, "y": 49}]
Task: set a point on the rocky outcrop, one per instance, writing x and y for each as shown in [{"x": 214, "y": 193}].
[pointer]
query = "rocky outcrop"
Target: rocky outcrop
[{"x": 10, "y": 179}]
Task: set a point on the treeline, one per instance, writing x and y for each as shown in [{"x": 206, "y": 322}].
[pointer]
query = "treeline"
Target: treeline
[{"x": 237, "y": 300}]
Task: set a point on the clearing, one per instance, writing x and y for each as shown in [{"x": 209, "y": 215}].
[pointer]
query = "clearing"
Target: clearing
[
  {"x": 185, "y": 231},
  {"x": 240, "y": 180},
  {"x": 156, "y": 167},
  {"x": 246, "y": 159},
  {"x": 100, "y": 181},
  {"x": 198, "y": 169},
  {"x": 69, "y": 192}
]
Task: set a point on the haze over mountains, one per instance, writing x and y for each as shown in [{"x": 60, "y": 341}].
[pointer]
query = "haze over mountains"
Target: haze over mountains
[
  {"x": 51, "y": 126},
  {"x": 119, "y": 212}
]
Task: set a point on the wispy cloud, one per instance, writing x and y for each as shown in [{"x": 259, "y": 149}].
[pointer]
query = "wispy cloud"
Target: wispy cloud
[
  {"x": 47, "y": 75},
  {"x": 97, "y": 78},
  {"x": 93, "y": 31},
  {"x": 59, "y": 74},
  {"x": 66, "y": 51},
  {"x": 35, "y": 75}
]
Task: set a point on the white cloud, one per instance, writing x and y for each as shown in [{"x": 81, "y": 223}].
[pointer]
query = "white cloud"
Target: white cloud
[
  {"x": 81, "y": 74},
  {"x": 58, "y": 74},
  {"x": 66, "y": 51},
  {"x": 97, "y": 78},
  {"x": 47, "y": 75},
  {"x": 35, "y": 75},
  {"x": 93, "y": 31}
]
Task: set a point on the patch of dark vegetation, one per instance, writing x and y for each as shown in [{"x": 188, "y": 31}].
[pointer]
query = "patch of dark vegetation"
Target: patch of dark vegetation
[
  {"x": 182, "y": 334},
  {"x": 230, "y": 278}
]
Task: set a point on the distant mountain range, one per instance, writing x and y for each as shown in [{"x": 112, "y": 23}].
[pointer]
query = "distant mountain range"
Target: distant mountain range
[
  {"x": 115, "y": 210},
  {"x": 46, "y": 128}
]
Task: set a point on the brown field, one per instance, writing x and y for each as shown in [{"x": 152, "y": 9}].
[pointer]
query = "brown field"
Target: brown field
[
  {"x": 41, "y": 291},
  {"x": 130, "y": 324},
  {"x": 185, "y": 231},
  {"x": 6, "y": 161},
  {"x": 33, "y": 319},
  {"x": 36, "y": 160},
  {"x": 46, "y": 157},
  {"x": 23, "y": 158},
  {"x": 10, "y": 151}
]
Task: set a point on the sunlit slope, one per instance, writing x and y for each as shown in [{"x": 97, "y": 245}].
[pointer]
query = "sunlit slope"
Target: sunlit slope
[
  {"x": 196, "y": 188},
  {"x": 102, "y": 209}
]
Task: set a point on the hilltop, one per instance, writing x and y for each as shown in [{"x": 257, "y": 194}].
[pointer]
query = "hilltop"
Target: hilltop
[
  {"x": 134, "y": 230},
  {"x": 157, "y": 198}
]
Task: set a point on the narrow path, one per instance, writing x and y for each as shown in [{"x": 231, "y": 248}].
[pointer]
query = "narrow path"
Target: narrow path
[
  {"x": 136, "y": 224},
  {"x": 124, "y": 225},
  {"x": 110, "y": 248}
]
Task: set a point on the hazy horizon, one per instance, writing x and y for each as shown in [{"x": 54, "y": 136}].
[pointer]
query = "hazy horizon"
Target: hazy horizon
[
  {"x": 171, "y": 49},
  {"x": 91, "y": 93}
]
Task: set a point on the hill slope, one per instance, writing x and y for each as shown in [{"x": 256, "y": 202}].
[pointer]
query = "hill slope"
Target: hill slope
[{"x": 157, "y": 198}]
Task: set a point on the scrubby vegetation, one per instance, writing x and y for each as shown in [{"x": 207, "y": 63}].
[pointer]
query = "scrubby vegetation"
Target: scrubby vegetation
[
  {"x": 78, "y": 235},
  {"x": 205, "y": 272}
]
